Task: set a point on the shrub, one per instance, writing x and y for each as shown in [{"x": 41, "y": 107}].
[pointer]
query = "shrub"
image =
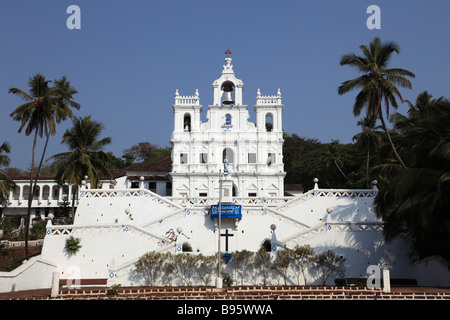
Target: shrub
[
  {"x": 72, "y": 245},
  {"x": 227, "y": 279},
  {"x": 266, "y": 245},
  {"x": 340, "y": 282},
  {"x": 186, "y": 247}
]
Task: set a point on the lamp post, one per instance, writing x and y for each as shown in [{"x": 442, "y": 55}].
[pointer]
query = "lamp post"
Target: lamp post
[{"x": 219, "y": 278}]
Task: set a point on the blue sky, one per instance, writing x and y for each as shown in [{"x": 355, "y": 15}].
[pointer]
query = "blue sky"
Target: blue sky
[{"x": 129, "y": 57}]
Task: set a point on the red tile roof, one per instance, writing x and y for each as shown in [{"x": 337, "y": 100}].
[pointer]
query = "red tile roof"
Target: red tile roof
[{"x": 163, "y": 165}]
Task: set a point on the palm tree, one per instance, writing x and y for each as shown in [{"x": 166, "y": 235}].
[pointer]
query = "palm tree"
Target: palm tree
[
  {"x": 85, "y": 156},
  {"x": 6, "y": 184},
  {"x": 62, "y": 102},
  {"x": 369, "y": 140},
  {"x": 414, "y": 203},
  {"x": 333, "y": 157},
  {"x": 377, "y": 83},
  {"x": 44, "y": 107}
]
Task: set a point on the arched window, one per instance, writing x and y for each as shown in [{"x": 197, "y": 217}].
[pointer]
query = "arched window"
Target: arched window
[
  {"x": 228, "y": 119},
  {"x": 228, "y": 154},
  {"x": 55, "y": 191},
  {"x": 46, "y": 192},
  {"x": 269, "y": 122},
  {"x": 187, "y": 122},
  {"x": 26, "y": 192},
  {"x": 16, "y": 193}
]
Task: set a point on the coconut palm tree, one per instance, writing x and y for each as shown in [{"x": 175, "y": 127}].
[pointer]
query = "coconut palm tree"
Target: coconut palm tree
[
  {"x": 414, "y": 203},
  {"x": 62, "y": 104},
  {"x": 6, "y": 184},
  {"x": 85, "y": 156},
  {"x": 377, "y": 83},
  {"x": 332, "y": 157},
  {"x": 44, "y": 107},
  {"x": 369, "y": 140}
]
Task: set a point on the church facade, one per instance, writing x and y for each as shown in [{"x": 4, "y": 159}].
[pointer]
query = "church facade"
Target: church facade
[
  {"x": 224, "y": 191},
  {"x": 252, "y": 151}
]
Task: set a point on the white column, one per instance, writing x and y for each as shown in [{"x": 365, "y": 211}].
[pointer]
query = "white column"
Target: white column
[
  {"x": 20, "y": 194},
  {"x": 50, "y": 193},
  {"x": 60, "y": 194},
  {"x": 40, "y": 193},
  {"x": 386, "y": 281},
  {"x": 55, "y": 284},
  {"x": 69, "y": 195}
]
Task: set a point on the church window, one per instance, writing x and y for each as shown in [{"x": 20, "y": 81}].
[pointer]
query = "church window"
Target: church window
[
  {"x": 228, "y": 154},
  {"x": 269, "y": 122},
  {"x": 270, "y": 158},
  {"x": 252, "y": 194},
  {"x": 203, "y": 194},
  {"x": 228, "y": 119},
  {"x": 134, "y": 185},
  {"x": 183, "y": 158},
  {"x": 187, "y": 122},
  {"x": 203, "y": 158},
  {"x": 252, "y": 158},
  {"x": 168, "y": 188},
  {"x": 152, "y": 186}
]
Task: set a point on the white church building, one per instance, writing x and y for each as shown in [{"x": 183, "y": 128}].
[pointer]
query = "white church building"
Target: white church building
[{"x": 228, "y": 165}]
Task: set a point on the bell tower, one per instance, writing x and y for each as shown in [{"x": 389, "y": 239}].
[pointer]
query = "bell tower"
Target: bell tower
[{"x": 228, "y": 89}]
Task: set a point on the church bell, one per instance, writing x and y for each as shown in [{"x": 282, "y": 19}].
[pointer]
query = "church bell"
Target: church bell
[
  {"x": 228, "y": 98},
  {"x": 227, "y": 94}
]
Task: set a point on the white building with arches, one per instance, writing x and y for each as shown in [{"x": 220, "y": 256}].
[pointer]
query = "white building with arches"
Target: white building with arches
[{"x": 253, "y": 150}]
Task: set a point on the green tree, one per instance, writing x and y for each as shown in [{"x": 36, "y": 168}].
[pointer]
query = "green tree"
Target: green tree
[
  {"x": 205, "y": 267},
  {"x": 369, "y": 140},
  {"x": 328, "y": 263},
  {"x": 303, "y": 256},
  {"x": 146, "y": 152},
  {"x": 377, "y": 83},
  {"x": 263, "y": 262},
  {"x": 282, "y": 262},
  {"x": 149, "y": 267},
  {"x": 242, "y": 260},
  {"x": 333, "y": 157},
  {"x": 294, "y": 148},
  {"x": 185, "y": 266},
  {"x": 6, "y": 184},
  {"x": 414, "y": 203},
  {"x": 44, "y": 107},
  {"x": 169, "y": 266},
  {"x": 85, "y": 157}
]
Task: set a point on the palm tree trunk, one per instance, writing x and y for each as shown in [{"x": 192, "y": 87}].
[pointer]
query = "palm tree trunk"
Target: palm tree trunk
[
  {"x": 340, "y": 170},
  {"x": 390, "y": 141},
  {"x": 30, "y": 196},
  {"x": 367, "y": 168},
  {"x": 380, "y": 115},
  {"x": 73, "y": 203},
  {"x": 42, "y": 160}
]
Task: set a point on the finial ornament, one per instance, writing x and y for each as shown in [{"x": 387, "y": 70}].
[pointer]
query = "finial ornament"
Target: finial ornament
[{"x": 228, "y": 53}]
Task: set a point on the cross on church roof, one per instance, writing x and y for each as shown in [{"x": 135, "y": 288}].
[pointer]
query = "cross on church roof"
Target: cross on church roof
[{"x": 228, "y": 53}]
